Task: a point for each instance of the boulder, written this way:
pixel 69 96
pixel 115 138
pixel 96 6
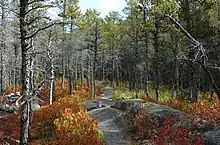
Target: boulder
pixel 212 137
pixel 128 105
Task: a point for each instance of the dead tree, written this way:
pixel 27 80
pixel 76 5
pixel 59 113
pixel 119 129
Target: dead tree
pixel 200 55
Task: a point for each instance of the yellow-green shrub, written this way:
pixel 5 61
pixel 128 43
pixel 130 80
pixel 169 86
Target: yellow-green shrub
pixel 76 129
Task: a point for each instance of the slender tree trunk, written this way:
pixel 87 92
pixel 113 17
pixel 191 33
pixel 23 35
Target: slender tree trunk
pixel 63 60
pixel 69 76
pixel 95 61
pixel 117 76
pixel 177 76
pixel 52 77
pixel 64 73
pixel 2 75
pixel 129 75
pixel 89 71
pixel 113 73
pixel 10 72
pixel 81 70
pixel 93 83
pixel 52 83
pixel 15 68
pixel 146 52
pixel 2 49
pixel 156 37
pixel 76 72
pixel 103 71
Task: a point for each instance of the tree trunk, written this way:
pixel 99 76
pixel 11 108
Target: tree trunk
pixel 76 72
pixel 25 108
pixel 117 76
pixel 146 52
pixel 69 76
pixel 15 68
pixel 63 62
pixel 113 73
pixel 52 84
pixel 82 74
pixel 63 74
pixel 1 74
pixel 177 76
pixel 156 37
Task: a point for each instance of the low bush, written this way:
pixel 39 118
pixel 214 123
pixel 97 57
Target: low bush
pixel 76 128
pixel 146 128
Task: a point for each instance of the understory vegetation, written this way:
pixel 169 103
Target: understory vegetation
pixel 205 113
pixel 65 122
pixel 164 51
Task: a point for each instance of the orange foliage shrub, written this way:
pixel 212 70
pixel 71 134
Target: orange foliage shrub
pixel 76 129
pixel 10 126
pixel 203 108
pixel 53 122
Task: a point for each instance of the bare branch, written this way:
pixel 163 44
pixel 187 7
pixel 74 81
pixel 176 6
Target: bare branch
pixel 39 7
pixel 192 40
pixel 35 19
pixel 34 1
pixel 40 29
pixel 214 67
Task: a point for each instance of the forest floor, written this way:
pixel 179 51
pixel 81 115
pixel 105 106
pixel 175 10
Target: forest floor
pixel 111 121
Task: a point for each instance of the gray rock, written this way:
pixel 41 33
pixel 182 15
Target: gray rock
pixel 161 110
pixel 128 105
pixel 111 123
pixel 212 137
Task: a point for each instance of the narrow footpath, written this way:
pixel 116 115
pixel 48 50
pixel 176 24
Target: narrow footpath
pixel 111 121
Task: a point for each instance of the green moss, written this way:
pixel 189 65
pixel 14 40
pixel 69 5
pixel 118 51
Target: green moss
pixel 101 135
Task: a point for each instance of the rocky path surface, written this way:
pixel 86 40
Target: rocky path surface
pixel 111 121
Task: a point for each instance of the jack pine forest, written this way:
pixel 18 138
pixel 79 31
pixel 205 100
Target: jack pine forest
pixel 129 72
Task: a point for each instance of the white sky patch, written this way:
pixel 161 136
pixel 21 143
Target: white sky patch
pixel 106 6
pixel 103 6
pixel 53 13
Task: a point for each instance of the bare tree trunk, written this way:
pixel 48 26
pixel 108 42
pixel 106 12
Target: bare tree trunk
pixel 52 83
pixel 117 76
pixel 63 62
pixel 218 9
pixel 113 73
pixel 129 72
pixel 81 74
pixel 81 69
pixel 69 76
pixel 146 55
pixel 95 61
pixel 25 108
pixel 156 37
pixel 89 71
pixel 63 74
pixel 103 71
pixel 76 72
pixel 2 75
pixel 2 49
pixel 10 72
pixel 15 68
pixel 177 76
pixel 93 84
pixel 194 91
